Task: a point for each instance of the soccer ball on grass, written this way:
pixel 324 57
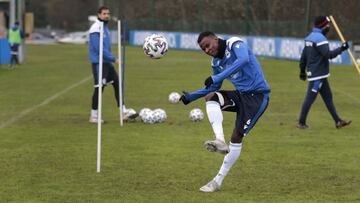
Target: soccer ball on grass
pixel 196 115
pixel 160 115
pixel 149 116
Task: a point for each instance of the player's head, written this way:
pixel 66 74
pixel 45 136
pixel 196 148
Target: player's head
pixel 209 43
pixel 104 13
pixel 323 23
pixel 16 25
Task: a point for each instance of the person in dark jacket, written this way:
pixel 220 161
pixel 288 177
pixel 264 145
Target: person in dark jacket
pixel 314 66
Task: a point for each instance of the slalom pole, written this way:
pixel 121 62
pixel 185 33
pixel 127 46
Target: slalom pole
pixel 100 95
pixel 343 40
pixel 120 74
pixel 123 58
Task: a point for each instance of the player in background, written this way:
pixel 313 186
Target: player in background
pixel 234 61
pixel 15 35
pixel 314 66
pixel 110 75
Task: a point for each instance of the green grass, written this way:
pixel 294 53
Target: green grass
pixel 49 154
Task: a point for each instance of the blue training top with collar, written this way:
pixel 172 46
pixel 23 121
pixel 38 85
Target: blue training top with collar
pixel 238 65
pixel 316 54
pixel 94 44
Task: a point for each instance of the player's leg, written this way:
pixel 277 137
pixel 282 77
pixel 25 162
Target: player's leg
pixel 214 102
pixel 229 160
pixel 114 78
pixel 129 116
pixel 326 95
pixel 95 96
pixel 249 111
pixel 94 105
pixel 13 55
pixel 16 54
pixel 215 116
pixel 312 91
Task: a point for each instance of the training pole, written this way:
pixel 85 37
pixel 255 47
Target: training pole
pixel 123 37
pixel 100 95
pixel 343 40
pixel 120 74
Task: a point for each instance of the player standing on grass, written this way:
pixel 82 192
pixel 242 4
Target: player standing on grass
pixel 314 65
pixel 16 35
pixel 109 73
pixel 234 61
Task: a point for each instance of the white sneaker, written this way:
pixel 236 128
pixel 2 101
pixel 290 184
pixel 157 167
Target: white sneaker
pixel 216 146
pixel 94 120
pixel 212 186
pixel 130 117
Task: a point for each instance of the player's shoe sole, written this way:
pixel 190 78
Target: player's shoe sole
pixel 216 146
pixel 211 186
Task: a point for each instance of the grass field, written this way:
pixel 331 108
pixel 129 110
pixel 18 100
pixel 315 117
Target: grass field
pixel 48 148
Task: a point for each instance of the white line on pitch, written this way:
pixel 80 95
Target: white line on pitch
pixel 45 102
pixel 348 95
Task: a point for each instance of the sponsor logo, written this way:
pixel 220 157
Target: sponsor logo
pixel 227 54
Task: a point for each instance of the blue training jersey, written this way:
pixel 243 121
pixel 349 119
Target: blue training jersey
pixel 94 44
pixel 240 66
pixel 316 54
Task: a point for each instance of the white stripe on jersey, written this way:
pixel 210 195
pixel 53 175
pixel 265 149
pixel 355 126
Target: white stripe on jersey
pixel 319 77
pixel 232 40
pixel 321 43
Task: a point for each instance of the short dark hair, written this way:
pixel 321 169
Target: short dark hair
pixel 205 34
pixel 102 8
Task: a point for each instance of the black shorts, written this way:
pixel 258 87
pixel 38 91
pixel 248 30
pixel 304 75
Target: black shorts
pixel 248 107
pixel 109 74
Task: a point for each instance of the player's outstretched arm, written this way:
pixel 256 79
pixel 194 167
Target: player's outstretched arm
pixel 187 97
pixel 184 99
pixel 330 54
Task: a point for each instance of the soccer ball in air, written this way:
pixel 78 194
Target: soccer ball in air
pixel 196 115
pixel 174 97
pixel 155 46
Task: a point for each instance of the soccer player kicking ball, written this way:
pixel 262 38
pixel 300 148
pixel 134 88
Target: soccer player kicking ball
pixel 232 60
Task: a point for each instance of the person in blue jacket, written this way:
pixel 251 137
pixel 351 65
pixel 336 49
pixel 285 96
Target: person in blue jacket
pixel 314 66
pixel 232 60
pixel 109 74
